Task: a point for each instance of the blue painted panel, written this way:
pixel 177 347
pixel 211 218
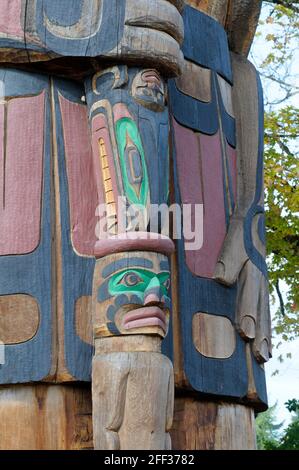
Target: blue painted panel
pixel 17 83
pixel 202 117
pixel 260 381
pixel 222 377
pixel 31 274
pixel 206 43
pixel 63 12
pixel 77 271
pixel 103 40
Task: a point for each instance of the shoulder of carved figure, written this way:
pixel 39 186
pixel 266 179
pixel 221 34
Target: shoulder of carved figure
pixel 239 18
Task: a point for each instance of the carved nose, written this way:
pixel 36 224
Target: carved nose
pixel 153 293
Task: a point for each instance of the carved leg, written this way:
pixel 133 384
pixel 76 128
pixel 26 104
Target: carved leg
pixel 132 401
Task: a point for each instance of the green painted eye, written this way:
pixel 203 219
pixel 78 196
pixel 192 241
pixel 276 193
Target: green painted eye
pixel 131 279
pixel 166 284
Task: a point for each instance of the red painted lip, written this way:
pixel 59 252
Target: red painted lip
pixel 146 316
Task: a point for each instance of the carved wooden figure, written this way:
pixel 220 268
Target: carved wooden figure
pixel 132 382
pixel 109 108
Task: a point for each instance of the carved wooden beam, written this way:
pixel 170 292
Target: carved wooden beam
pixel 132 382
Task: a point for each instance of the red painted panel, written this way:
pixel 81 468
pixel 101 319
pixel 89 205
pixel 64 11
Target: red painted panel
pixel 10 18
pixel 1 154
pixel 21 174
pixel 120 111
pixel 232 157
pixel 200 176
pixel 80 173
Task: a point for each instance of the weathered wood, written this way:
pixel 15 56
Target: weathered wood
pixel 21 162
pixel 132 401
pixel 221 188
pixel 45 158
pixel 247 262
pixel 147 32
pixel 196 82
pixel 123 307
pixel 19 318
pixel 206 42
pixel 49 312
pixel 130 125
pixel 241 24
pixel 213 336
pixel 226 94
pixel 206 425
pixel 83 309
pixel 239 17
pixel 45 417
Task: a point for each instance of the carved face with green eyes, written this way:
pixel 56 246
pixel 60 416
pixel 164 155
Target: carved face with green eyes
pixel 132 294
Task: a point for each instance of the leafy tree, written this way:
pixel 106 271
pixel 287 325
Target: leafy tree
pixel 267 430
pixel 269 435
pixel 279 37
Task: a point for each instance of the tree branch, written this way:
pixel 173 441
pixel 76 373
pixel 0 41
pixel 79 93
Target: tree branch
pixel 285 3
pixel 280 298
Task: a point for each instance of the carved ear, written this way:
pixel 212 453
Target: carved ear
pixel 120 74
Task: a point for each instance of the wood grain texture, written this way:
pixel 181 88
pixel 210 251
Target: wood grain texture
pixel 218 377
pixel 147 301
pixel 226 94
pixel 241 24
pixel 83 315
pixel 148 31
pixel 80 172
pixel 247 262
pixel 19 318
pixel 201 182
pixel 239 17
pixel 215 8
pixel 28 274
pixel 45 417
pixel 196 82
pixel 192 108
pixel 130 124
pixel 11 19
pixel 206 425
pixel 54 275
pixel 213 336
pixel 132 401
pixel 206 42
pixel 22 123
pixel 74 271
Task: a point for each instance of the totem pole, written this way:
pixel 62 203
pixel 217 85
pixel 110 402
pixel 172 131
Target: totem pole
pixel 221 320
pixel 108 109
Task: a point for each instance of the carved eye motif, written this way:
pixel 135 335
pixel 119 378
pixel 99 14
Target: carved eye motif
pixel 131 280
pixel 167 284
pixel 148 89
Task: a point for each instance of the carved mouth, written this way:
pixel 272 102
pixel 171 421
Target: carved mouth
pixel 145 316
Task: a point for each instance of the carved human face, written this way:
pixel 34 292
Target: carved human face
pixel 132 294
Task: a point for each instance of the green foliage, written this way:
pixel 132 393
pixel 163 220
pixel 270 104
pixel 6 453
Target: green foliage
pixel 269 435
pixel 276 54
pixel 267 430
pixel 293 405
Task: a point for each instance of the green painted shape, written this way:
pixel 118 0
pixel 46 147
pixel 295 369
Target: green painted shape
pixel 120 282
pixel 124 127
